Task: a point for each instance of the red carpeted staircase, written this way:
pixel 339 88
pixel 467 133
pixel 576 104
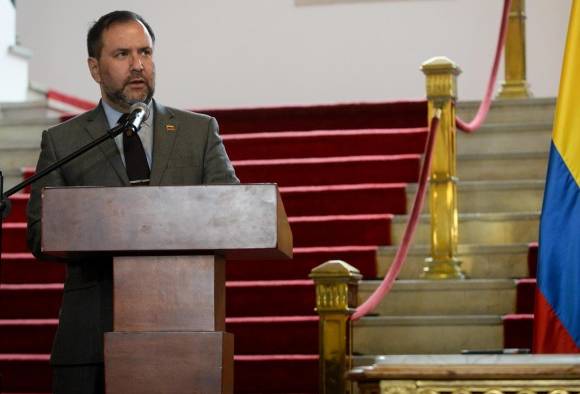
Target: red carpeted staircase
pixel 342 171
pixel 518 327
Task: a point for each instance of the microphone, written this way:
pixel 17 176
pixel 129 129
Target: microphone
pixel 138 113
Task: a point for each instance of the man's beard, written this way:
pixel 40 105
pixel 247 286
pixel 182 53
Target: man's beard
pixel 120 98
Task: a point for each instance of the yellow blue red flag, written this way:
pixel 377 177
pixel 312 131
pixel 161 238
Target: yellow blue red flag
pixel 557 310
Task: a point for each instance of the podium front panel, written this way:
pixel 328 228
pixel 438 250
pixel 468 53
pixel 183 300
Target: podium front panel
pixel 169 293
pixel 169 362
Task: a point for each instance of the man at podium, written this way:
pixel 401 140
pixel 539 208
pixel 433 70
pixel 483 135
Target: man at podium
pixel 173 147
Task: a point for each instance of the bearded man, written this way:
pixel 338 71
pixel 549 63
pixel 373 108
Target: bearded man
pixel 173 147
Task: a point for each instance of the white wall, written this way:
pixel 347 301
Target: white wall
pixel 222 53
pixel 13 68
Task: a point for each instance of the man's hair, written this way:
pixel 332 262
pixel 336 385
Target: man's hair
pixel 95 34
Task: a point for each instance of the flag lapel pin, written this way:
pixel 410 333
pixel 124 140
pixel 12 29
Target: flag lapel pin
pixel 170 128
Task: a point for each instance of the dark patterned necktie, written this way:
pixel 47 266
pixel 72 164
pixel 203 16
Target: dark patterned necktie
pixel 135 159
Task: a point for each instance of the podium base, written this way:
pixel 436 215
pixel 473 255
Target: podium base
pixel 169 362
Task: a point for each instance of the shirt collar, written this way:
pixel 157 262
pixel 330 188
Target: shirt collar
pixel 113 115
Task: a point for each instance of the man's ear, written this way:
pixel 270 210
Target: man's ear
pixel 94 69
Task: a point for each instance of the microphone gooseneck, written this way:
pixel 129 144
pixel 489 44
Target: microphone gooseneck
pixel 138 113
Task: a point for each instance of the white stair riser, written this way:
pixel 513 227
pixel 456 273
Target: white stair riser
pixel 503 140
pixel 497 231
pixel 12 160
pixel 412 301
pixel 512 111
pixel 492 200
pixel 494 168
pixel 425 339
pixel 476 266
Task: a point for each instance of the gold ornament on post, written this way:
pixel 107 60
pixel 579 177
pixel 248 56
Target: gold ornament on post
pixel 441 76
pixel 336 298
pixel 515 84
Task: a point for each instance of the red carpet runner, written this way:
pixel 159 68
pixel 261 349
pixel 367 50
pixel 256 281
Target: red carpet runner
pixel 342 171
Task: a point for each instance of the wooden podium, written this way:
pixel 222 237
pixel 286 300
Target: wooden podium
pixel 169 246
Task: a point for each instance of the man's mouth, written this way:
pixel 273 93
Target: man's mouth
pixel 136 82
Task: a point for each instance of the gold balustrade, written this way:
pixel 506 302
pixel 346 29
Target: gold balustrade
pixel 441 78
pixel 337 282
pixel 336 299
pixel 515 84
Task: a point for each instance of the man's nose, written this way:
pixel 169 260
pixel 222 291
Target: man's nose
pixel 136 62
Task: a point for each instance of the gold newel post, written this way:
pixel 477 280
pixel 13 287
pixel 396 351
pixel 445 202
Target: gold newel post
pixel 515 84
pixel 336 298
pixel 441 76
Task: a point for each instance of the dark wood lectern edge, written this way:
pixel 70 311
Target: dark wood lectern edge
pixel 276 253
pixel 283 232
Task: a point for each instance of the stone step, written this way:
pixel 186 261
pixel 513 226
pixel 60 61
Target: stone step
pixel 493 196
pixel 502 166
pixel 506 138
pixel 23 136
pixel 426 334
pixel 13 159
pixel 511 111
pixel 477 260
pixel 29 112
pixel 11 180
pixel 478 228
pixel 445 297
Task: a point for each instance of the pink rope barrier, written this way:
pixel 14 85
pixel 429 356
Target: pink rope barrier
pixel 486 102
pixel 373 301
pixel 387 283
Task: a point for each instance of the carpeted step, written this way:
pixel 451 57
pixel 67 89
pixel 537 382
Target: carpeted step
pixel 244 298
pixel 14 238
pixel 25 373
pixel 27 335
pixel 294 373
pixel 270 298
pixel 18 211
pixel 262 335
pixel 39 301
pixel 341 199
pixel 20 268
pixel 341 230
pixel 361 257
pixel 532 259
pixel 324 143
pixel 308 200
pixel 274 334
pixel 525 295
pixel 518 331
pixel 397 114
pixel 330 170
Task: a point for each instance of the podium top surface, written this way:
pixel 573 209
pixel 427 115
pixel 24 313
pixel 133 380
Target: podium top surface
pixel 238 221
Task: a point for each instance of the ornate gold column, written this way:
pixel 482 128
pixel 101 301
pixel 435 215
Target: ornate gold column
pixel 336 298
pixel 441 76
pixel 515 84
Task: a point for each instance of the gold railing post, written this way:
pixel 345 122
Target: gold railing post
pixel 336 298
pixel 441 74
pixel 515 84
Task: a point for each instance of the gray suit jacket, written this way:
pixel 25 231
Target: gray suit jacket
pixel 187 150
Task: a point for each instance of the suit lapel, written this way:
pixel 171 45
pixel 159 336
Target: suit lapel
pixel 164 132
pixel 96 126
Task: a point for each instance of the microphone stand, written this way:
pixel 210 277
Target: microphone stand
pixel 5 202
